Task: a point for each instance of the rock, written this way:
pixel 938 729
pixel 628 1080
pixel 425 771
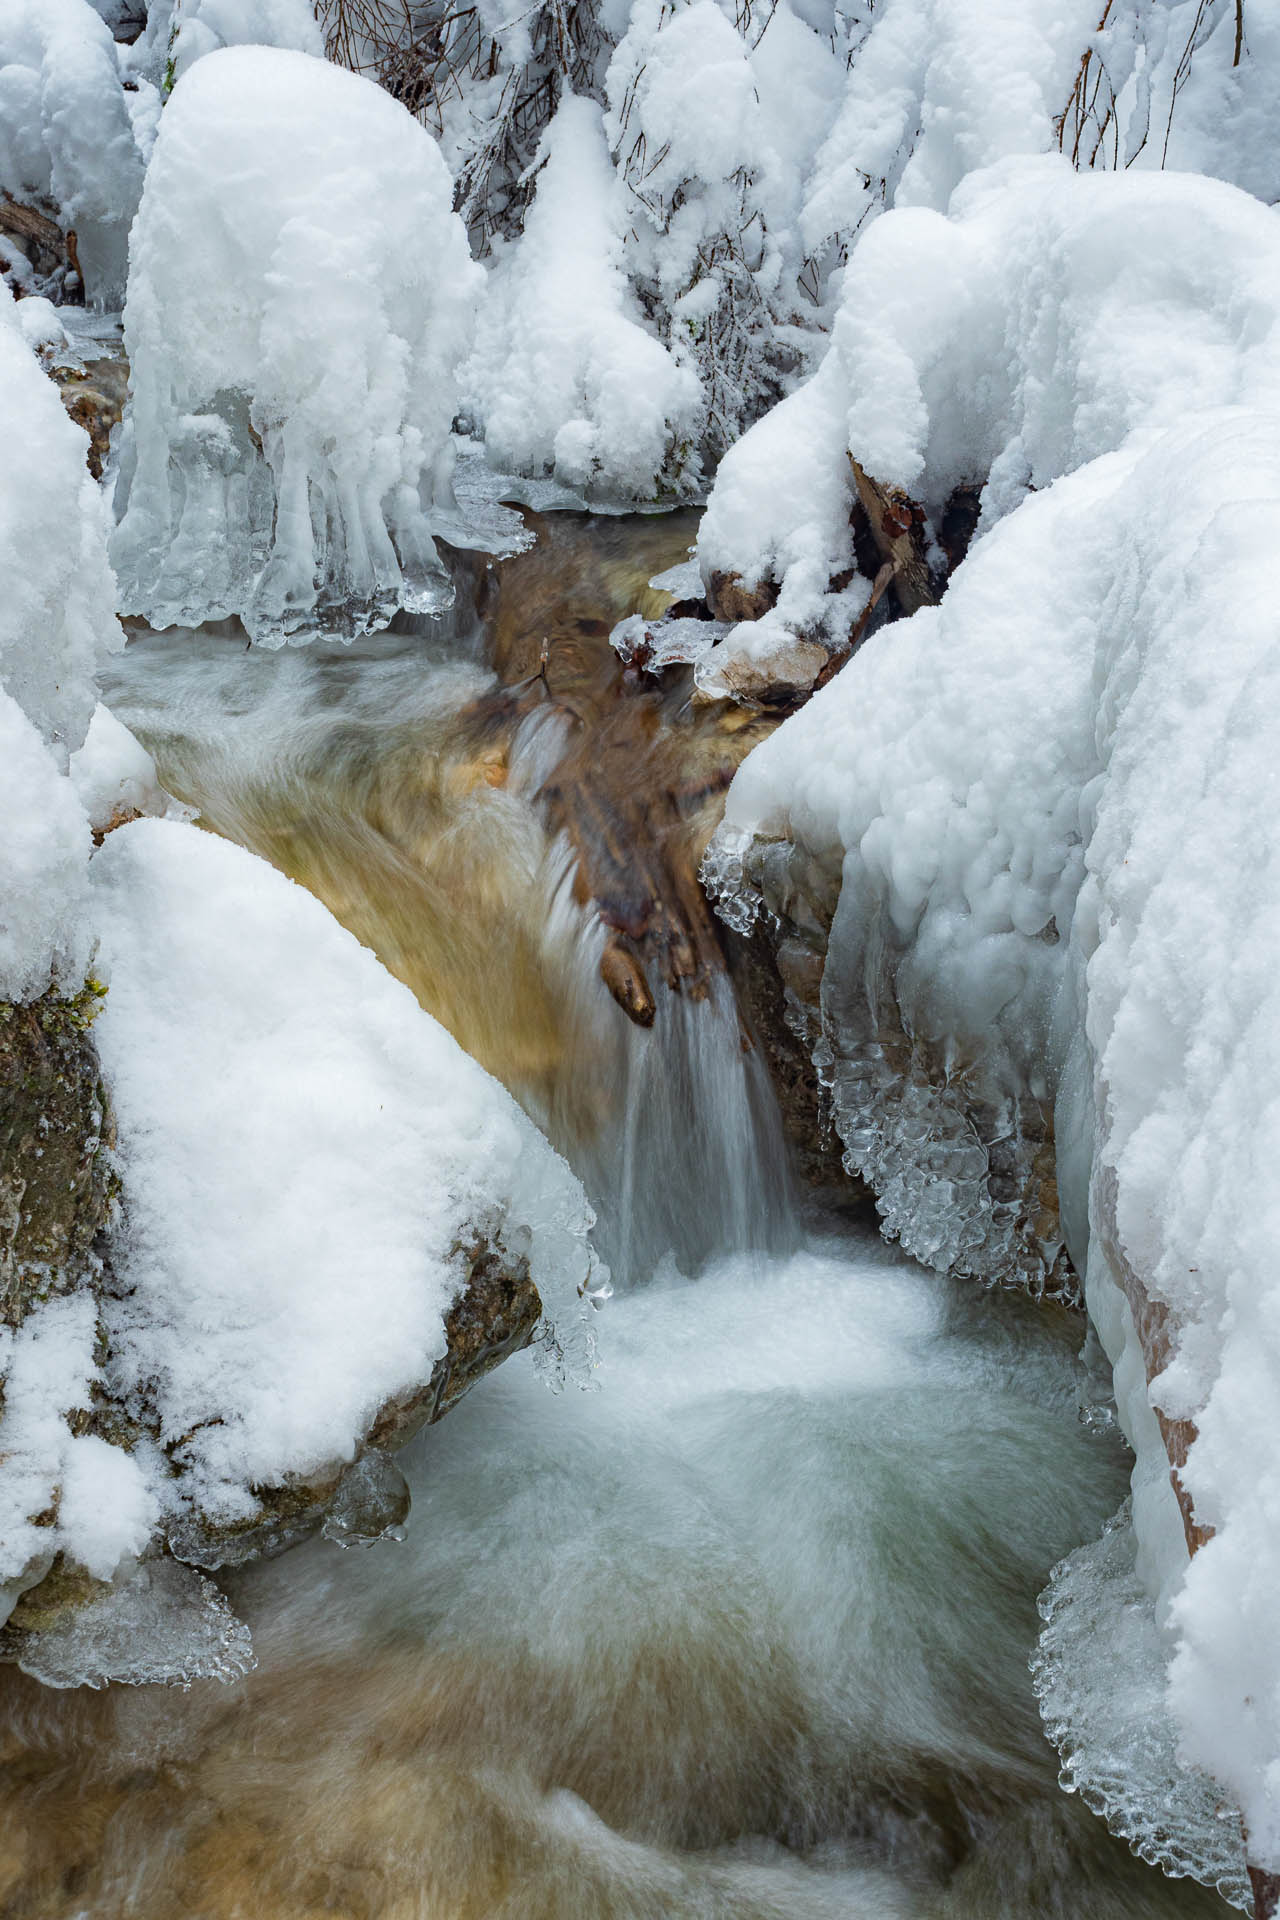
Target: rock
pixel 731 600
pixel 56 1190
pixel 778 991
pixel 769 679
pixel 94 396
pixel 55 1119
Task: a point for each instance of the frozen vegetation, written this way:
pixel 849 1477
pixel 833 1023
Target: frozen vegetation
pixel 802 257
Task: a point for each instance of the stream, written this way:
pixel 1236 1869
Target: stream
pixel 743 1630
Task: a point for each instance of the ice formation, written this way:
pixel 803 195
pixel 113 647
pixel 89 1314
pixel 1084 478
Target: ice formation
pixel 564 379
pixel 163 1622
pixel 1109 1721
pixel 292 369
pixel 66 135
pixel 1027 827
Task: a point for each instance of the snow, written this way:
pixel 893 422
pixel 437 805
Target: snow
pixel 56 613
pixel 293 360
pixel 936 91
pixel 44 849
pixel 564 379
pixel 113 774
pixel 104 1508
pixel 1039 813
pixel 65 131
pixel 302 1150
pixel 202 26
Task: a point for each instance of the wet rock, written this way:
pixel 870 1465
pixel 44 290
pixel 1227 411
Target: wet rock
pixel 771 679
pixel 94 395
pixel 730 599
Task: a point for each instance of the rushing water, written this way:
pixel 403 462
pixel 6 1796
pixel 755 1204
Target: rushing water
pixel 744 1631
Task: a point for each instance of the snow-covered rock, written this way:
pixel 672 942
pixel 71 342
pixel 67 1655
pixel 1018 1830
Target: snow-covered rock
pixel 66 136
pixel 305 1155
pixel 1033 326
pixel 113 774
pixel 1029 831
pixel 293 328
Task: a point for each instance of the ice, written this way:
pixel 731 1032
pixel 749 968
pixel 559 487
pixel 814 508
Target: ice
pixel 564 379
pixel 165 1623
pixel 1109 1722
pixel 658 644
pixel 302 1150
pixel 293 360
pixel 65 131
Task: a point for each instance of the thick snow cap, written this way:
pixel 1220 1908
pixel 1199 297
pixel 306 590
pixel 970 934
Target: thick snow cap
pixel 293 325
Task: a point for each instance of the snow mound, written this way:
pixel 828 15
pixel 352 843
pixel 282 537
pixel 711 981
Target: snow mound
pixel 65 132
pixel 303 1150
pixel 1046 317
pixel 564 380
pixel 293 327
pixel 58 606
pixel 1030 828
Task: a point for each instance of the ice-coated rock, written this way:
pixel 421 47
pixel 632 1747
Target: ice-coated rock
pixel 293 326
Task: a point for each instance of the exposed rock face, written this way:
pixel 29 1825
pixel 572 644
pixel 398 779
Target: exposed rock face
pixel 729 598
pixel 778 987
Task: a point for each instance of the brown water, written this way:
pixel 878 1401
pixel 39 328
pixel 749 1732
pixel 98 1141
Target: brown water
pixel 744 1633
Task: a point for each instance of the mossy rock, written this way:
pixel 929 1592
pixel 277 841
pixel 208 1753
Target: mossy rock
pixel 55 1119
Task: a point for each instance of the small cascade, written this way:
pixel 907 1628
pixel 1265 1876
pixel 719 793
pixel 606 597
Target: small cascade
pixel 744 1634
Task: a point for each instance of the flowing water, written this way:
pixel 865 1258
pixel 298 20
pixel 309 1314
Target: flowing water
pixel 743 1632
